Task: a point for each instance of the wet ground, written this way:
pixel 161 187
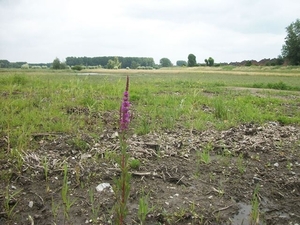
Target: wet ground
pixel 247 174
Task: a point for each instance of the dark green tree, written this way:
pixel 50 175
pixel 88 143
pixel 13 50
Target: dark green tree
pixel 279 60
pixel 192 60
pixel 211 61
pixel 181 63
pixel 291 48
pixel 206 61
pixel 248 63
pixel 56 64
pixel 165 62
pixel 4 64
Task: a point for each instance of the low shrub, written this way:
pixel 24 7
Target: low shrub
pixel 77 67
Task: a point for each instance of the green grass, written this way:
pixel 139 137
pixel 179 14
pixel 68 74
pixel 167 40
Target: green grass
pixel 38 101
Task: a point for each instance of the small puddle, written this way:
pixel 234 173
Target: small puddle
pixel 243 216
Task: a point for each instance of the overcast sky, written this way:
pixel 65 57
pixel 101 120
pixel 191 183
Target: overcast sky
pixel 233 30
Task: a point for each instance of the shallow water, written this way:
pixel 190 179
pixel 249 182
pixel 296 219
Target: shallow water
pixel 243 216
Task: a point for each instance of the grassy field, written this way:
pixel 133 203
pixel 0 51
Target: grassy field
pixel 38 101
pixel 65 107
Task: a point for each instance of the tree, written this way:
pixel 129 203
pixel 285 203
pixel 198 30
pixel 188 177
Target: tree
pixel 181 63
pixel 114 64
pixel 63 66
pixel 206 61
pixel 209 62
pixel 291 48
pixel 56 64
pixel 165 62
pixel 192 60
pixel 4 64
pixel 134 65
pixel 279 60
pixel 248 63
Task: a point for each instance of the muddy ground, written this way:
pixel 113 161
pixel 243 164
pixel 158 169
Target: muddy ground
pixel 182 187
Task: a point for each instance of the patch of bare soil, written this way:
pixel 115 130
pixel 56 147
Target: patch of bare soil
pixel 183 184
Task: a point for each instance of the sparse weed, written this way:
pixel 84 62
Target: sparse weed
pixel 204 155
pixel 79 144
pixel 255 207
pixel 289 166
pixel 67 203
pixel 143 209
pixel 221 112
pixel 241 164
pixel 111 156
pixel 134 163
pixel 10 203
pixel 17 158
pixel 54 209
pixel 94 207
pixel 144 127
pixel 78 175
pixel 46 171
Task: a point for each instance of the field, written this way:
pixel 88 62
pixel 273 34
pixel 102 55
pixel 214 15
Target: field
pixel 206 145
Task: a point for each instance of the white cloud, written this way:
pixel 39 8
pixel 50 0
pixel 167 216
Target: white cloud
pixel 39 31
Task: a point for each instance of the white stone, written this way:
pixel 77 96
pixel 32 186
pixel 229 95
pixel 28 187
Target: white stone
pixel 85 156
pixel 30 204
pixel 103 186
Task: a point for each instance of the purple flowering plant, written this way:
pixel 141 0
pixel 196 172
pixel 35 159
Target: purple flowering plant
pixel 124 110
pixel 122 184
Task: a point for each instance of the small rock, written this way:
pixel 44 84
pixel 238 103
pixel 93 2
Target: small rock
pixel 256 179
pixel 276 164
pixel 114 135
pixel 30 204
pixel 97 145
pixel 85 156
pixel 103 186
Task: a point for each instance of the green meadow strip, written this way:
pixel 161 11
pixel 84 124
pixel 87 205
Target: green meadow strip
pixel 47 101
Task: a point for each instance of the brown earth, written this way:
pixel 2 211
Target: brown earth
pixel 182 188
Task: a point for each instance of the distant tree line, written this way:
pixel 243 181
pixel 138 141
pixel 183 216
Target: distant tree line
pixel 6 64
pixel 264 62
pixel 105 61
